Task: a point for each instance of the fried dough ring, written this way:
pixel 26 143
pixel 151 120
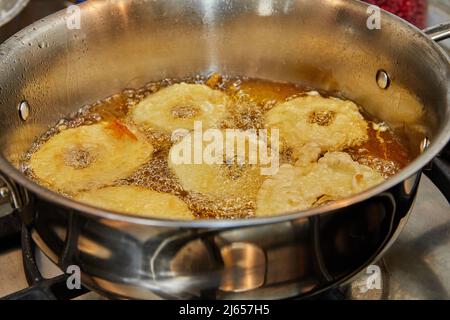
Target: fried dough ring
pixel 221 181
pixel 331 123
pixel 137 201
pixel 333 177
pixel 178 106
pixel 89 157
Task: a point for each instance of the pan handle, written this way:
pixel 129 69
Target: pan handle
pixel 10 201
pixel 438 169
pixel 439 32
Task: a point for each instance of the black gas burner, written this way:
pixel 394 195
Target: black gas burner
pixel 40 287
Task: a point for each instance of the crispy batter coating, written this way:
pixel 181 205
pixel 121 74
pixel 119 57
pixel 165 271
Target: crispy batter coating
pixel 333 177
pixel 331 123
pixel 178 106
pixel 138 201
pixel 225 179
pixel 89 157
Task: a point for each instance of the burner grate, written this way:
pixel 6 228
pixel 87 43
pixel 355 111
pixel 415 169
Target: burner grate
pixel 40 287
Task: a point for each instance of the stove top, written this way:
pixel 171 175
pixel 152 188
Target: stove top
pixel 415 267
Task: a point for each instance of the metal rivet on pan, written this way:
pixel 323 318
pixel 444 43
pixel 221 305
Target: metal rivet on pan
pixel 24 110
pixel 424 144
pixel 383 79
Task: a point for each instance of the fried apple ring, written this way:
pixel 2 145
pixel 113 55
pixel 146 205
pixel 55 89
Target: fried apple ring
pixel 225 179
pixel 137 201
pixel 89 157
pixel 332 123
pixel 334 176
pixel 178 106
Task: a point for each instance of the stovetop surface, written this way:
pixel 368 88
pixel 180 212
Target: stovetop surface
pixel 416 267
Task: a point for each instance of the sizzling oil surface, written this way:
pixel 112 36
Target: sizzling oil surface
pixel 383 151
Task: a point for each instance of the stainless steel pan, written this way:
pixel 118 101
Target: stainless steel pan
pixel 49 70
